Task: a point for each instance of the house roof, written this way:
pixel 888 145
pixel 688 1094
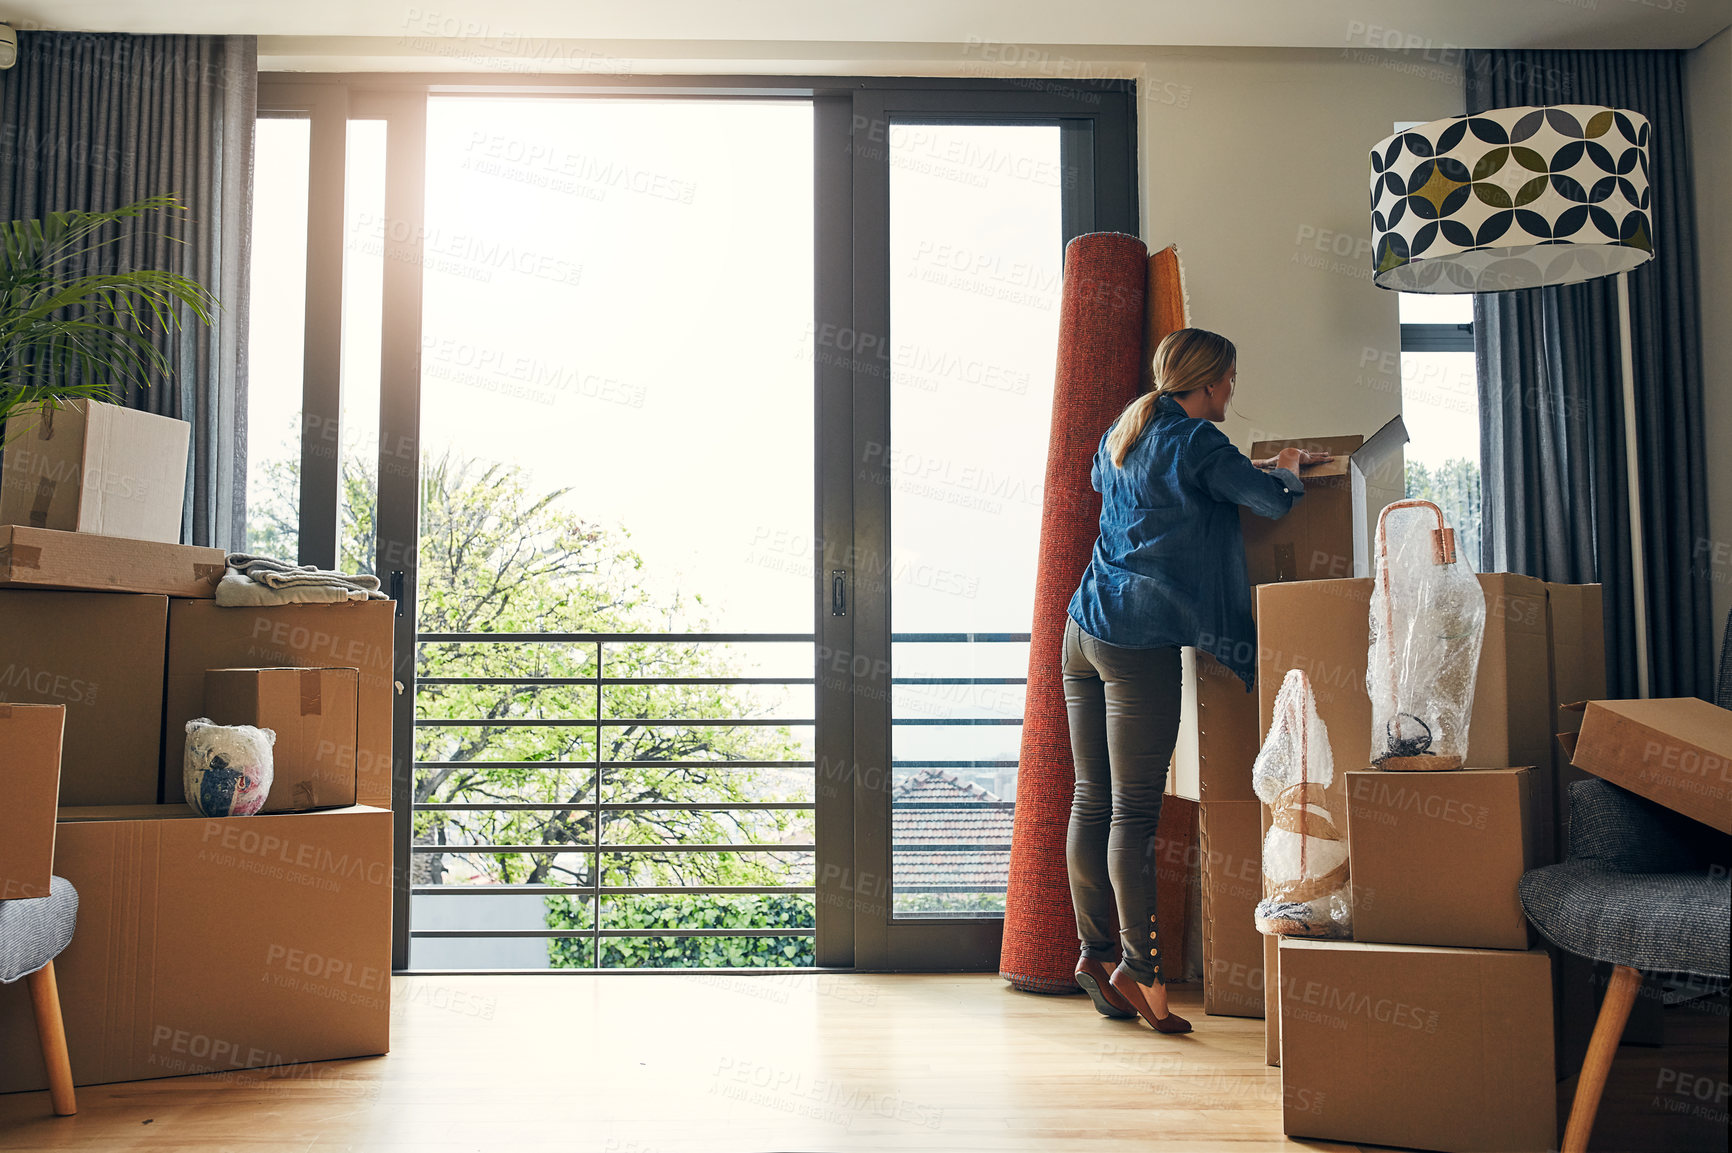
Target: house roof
pixel 935 820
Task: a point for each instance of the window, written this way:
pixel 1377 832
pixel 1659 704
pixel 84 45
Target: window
pixel 1440 401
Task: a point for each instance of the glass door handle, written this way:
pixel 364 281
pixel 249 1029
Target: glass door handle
pixel 838 592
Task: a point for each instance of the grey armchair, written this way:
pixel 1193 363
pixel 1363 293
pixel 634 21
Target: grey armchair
pixel 34 931
pixel 1644 889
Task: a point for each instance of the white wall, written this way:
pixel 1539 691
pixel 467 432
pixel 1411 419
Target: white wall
pixel 1259 171
pixel 1708 80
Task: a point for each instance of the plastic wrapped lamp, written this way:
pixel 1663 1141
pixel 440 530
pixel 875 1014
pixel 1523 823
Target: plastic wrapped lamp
pixel 1514 198
pixel 1305 866
pixel 1427 625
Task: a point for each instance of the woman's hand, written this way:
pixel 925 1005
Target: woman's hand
pixel 1292 459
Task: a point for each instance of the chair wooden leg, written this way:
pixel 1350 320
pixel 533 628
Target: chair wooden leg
pixel 1602 1047
pixel 45 996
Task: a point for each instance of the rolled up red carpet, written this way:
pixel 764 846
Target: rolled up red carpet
pixel 1102 316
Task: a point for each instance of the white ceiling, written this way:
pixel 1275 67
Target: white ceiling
pixel 1438 24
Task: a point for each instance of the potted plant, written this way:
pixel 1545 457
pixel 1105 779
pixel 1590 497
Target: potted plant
pixel 70 333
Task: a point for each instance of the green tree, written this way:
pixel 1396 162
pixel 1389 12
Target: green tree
pixel 496 558
pixel 1453 487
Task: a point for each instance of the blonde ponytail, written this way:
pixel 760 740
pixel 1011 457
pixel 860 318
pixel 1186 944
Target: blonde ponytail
pixel 1187 359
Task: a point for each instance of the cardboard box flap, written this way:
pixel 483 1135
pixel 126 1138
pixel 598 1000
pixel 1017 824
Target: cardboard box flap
pixel 1675 751
pixel 1382 444
pixel 175 812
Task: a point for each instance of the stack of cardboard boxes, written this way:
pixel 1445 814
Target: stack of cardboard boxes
pixel 202 944
pixel 1324 536
pixel 1433 1027
pixel 1440 991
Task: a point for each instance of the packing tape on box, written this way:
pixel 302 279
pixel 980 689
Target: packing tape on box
pixel 311 706
pixel 1289 813
pixel 45 487
pixel 21 556
pixel 209 572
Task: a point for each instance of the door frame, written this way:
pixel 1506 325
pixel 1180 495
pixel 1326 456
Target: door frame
pixel 1097 132
pixel 1097 120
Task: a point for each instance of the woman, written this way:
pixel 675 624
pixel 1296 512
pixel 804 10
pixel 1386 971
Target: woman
pixel 1168 570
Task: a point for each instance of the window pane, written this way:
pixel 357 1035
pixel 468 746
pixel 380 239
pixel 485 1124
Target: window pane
pixel 617 418
pixel 363 300
pixel 1436 308
pixel 1440 404
pixel 277 308
pixel 976 241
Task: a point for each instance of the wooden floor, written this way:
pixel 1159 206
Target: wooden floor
pixel 641 1063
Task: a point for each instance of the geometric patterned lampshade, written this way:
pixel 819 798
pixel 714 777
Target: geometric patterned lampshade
pixel 1511 198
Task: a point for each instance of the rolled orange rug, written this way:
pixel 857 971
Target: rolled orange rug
pixel 1118 302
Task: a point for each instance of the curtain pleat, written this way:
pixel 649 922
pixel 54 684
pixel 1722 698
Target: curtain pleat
pixel 95 121
pixel 1557 499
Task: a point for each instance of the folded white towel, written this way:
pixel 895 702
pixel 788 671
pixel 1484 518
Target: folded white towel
pixel 278 574
pixel 236 590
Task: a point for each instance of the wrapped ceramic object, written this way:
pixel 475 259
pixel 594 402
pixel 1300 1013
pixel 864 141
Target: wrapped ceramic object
pixel 1304 855
pixel 1427 623
pixel 227 771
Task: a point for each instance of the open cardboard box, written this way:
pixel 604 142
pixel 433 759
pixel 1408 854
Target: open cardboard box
pixel 1329 531
pixel 1675 751
pixel 207 944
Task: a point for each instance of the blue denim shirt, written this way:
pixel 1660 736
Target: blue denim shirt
pixel 1169 564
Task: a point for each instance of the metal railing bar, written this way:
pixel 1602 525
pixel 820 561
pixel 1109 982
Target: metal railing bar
pixel 607 890
pixel 617 764
pixel 898 763
pixel 956 720
pixel 767 847
pixel 614 638
pixel 958 680
pixel 556 933
pixel 606 806
pixel 590 680
pixel 959 638
pixel 609 723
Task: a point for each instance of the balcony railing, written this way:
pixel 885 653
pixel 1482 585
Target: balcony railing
pixel 595 809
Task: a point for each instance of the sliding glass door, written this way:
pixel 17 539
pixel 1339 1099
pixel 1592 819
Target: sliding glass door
pixel 710 431
pixel 968 200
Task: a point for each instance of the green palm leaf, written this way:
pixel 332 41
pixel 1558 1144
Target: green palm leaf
pixel 67 333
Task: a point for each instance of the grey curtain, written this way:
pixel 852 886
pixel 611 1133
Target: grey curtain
pixel 92 122
pixel 1557 500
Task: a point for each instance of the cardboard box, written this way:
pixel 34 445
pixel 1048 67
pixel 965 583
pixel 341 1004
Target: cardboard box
pixel 1218 734
pixel 312 712
pixel 1328 532
pixel 1323 627
pixel 1232 886
pixel 30 781
pixel 1675 751
pixel 85 466
pixel 203 635
pixel 1577 625
pixel 1436 857
pixel 47 558
pixel 100 655
pixel 210 944
pixel 1424 1048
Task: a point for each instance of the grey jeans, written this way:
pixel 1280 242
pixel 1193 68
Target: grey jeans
pixel 1123 707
